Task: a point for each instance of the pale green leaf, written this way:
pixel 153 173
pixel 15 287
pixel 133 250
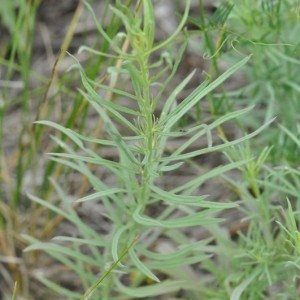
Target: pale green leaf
pixel 189 200
pixel 199 93
pixel 196 219
pixel 174 157
pixel 104 193
pixel 140 266
pixel 165 287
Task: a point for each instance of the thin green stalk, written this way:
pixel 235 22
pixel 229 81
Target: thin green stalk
pixel 93 288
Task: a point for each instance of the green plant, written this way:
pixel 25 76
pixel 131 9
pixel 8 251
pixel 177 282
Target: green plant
pixel 21 166
pixel 17 34
pixel 260 264
pixel 268 31
pixel 263 261
pixel 143 160
pixel 273 75
pixel 146 131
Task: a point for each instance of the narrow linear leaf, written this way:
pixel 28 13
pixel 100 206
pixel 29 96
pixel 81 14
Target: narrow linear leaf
pixel 61 257
pixel 175 263
pixel 142 266
pixel 177 31
pixel 198 218
pixel 237 292
pixel 189 200
pixel 161 288
pixel 204 129
pixel 216 148
pixel 98 195
pixel 291 135
pixel 49 247
pixel 169 168
pixel 58 289
pixel 115 242
pixel 68 132
pixel 80 241
pixel 183 251
pixel 172 98
pixel 199 93
pixel 145 220
pixel 191 185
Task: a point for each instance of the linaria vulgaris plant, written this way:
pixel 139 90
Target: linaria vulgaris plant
pixel 125 261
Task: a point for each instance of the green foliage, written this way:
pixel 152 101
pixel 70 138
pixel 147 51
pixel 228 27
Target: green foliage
pixel 142 164
pixel 258 261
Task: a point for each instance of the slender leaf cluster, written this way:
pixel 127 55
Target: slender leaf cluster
pixel 142 163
